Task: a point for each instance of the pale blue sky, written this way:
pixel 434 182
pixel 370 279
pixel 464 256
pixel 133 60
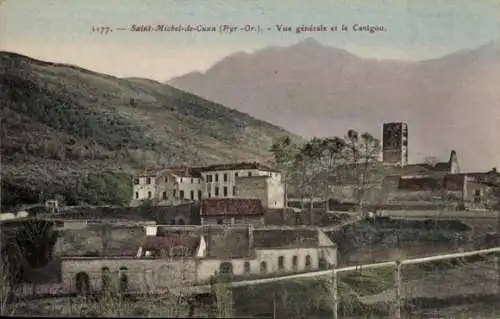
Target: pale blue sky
pixel 60 30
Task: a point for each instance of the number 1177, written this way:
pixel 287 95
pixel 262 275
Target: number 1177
pixel 101 29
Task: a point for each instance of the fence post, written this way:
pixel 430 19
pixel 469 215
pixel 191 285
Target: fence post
pixel 335 295
pixel 397 289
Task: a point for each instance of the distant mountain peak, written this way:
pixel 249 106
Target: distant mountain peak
pixel 310 42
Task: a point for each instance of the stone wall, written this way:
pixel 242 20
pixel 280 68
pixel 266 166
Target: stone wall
pixel 188 212
pixel 252 187
pixel 142 274
pixel 237 220
pixel 100 240
pixel 424 196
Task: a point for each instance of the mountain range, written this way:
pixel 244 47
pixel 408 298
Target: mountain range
pixel 60 123
pixel 452 102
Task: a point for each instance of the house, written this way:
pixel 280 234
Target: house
pixel 231 211
pixel 468 189
pixel 167 186
pixel 193 255
pixel 189 183
pixel 221 180
pixel 152 185
pixel 184 184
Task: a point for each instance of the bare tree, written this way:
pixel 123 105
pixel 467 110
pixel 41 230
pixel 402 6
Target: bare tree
pixel 304 175
pixel 332 151
pixel 362 152
pixel 284 151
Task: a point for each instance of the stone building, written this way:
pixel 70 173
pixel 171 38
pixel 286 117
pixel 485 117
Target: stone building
pixel 191 255
pixel 221 180
pixel 270 190
pixel 187 184
pixel 395 144
pixel 167 186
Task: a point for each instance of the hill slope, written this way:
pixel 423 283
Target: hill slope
pixel 449 103
pixel 61 122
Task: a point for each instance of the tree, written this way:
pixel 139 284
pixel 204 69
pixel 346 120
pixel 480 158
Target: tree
pixel 284 152
pixel 332 150
pixel 361 153
pixel 305 171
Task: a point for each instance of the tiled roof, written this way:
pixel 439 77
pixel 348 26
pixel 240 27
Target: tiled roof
pixel 285 238
pixel 228 242
pixel 231 207
pixel 419 183
pixel 238 166
pixel 151 172
pixel 185 171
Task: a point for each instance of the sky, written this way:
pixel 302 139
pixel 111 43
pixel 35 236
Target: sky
pixel 61 30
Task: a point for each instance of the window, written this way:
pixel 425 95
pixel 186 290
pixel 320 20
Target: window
pixel 166 179
pixel 136 195
pixel 295 263
pixel 281 263
pixel 199 181
pixel 216 191
pixel 209 195
pixel 181 222
pixel 236 174
pixel 298 220
pixel 172 221
pixel 174 192
pixel 216 177
pixel 249 174
pixel 182 179
pixel 148 180
pixel 199 195
pixel 209 178
pixel 226 270
pixel 246 268
pixel 192 180
pixel 263 267
pixel 220 221
pixel 225 177
pixel 136 181
pixel 308 262
pixel 181 194
pixel 225 191
pixel 192 195
pixel 149 194
pixel 164 195
pixel 234 190
pixel 477 196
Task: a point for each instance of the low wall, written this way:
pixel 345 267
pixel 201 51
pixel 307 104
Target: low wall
pixel 142 274
pixel 188 212
pixel 380 254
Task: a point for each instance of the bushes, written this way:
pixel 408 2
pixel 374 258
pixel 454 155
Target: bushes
pixel 111 188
